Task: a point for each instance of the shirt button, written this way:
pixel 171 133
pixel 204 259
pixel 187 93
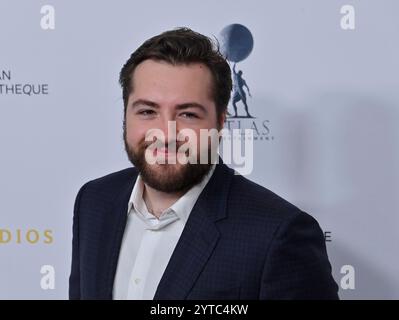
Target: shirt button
pixel 137 281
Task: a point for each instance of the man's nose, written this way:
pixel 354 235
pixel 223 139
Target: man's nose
pixel 168 126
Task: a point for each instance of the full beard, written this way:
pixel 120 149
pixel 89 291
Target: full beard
pixel 169 178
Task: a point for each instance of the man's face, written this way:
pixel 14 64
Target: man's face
pixel 162 93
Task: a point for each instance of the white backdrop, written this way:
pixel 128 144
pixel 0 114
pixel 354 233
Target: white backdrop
pixel 328 96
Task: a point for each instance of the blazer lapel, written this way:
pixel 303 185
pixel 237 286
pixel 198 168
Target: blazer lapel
pixel 112 233
pixel 198 239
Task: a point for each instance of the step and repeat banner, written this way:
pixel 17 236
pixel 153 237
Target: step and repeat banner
pixel 322 87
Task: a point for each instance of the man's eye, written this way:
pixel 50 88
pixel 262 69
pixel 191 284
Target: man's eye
pixel 189 115
pixel 147 112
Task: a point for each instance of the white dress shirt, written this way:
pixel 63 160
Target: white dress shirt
pixel 148 242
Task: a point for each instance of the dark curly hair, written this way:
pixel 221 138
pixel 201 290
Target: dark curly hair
pixel 182 46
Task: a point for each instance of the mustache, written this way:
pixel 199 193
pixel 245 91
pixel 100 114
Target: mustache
pixel 158 144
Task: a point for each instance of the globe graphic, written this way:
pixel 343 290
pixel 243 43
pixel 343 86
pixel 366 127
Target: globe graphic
pixel 236 42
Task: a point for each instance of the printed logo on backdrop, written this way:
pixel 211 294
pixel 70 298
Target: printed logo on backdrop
pixel 9 236
pixel 32 237
pixel 8 86
pixel 236 44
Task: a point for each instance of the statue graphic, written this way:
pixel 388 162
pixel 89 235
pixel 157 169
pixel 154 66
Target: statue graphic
pixel 236 45
pixel 238 92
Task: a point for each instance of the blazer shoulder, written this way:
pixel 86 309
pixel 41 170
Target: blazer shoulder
pixel 258 201
pixel 111 184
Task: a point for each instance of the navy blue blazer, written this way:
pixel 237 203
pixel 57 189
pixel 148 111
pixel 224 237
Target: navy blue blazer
pixel 241 241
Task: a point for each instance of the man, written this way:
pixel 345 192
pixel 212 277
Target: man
pixel 175 230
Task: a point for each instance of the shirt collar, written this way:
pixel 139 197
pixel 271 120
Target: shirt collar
pixel 182 207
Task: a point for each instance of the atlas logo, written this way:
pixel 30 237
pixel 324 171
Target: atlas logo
pixel 236 44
